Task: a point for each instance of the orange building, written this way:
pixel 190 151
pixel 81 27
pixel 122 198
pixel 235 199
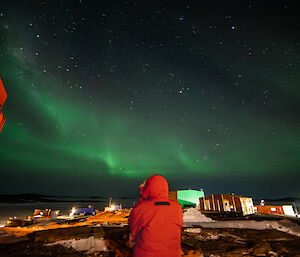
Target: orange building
pixel 3 97
pixel 269 209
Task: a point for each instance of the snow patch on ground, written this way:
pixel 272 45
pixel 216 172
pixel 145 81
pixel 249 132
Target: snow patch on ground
pixel 194 215
pixel 88 245
pixel 285 225
pixel 193 230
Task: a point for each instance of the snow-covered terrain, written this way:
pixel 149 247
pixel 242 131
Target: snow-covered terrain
pixel 282 225
pixel 194 217
pixel 88 245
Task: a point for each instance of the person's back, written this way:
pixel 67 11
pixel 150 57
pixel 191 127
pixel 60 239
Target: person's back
pixel 156 222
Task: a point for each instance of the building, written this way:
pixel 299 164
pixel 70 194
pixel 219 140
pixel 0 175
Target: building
pixel 275 209
pixel 112 207
pixel 227 203
pixel 82 211
pixel 187 197
pixel 42 213
pixel 3 97
pixel 46 213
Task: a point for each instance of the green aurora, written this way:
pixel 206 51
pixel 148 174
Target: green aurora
pixel 106 130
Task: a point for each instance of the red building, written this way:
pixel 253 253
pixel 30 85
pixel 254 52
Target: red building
pixel 46 213
pixel 3 97
pixel 269 209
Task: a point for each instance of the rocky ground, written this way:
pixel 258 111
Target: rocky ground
pixel 242 242
pixel 195 242
pixel 42 240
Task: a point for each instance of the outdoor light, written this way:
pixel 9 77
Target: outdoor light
pixel 73 211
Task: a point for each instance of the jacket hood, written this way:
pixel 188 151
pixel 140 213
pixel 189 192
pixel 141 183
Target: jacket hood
pixel 155 187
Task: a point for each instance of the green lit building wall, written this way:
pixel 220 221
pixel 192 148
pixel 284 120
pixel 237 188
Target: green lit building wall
pixel 189 197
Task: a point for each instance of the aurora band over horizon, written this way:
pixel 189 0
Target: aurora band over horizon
pixel 71 128
pixel 50 132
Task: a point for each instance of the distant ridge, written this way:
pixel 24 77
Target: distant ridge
pixel 32 198
pixel 295 201
pixel 288 199
pixel 284 199
pixel 24 198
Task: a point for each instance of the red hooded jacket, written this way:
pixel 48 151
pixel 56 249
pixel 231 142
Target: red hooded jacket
pixel 156 222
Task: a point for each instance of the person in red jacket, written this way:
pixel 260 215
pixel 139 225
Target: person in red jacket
pixel 156 222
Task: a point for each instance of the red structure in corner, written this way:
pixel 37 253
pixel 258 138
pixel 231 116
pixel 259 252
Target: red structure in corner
pixel 3 97
pixel 269 209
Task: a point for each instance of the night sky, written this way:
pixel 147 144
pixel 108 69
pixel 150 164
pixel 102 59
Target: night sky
pixel 102 94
